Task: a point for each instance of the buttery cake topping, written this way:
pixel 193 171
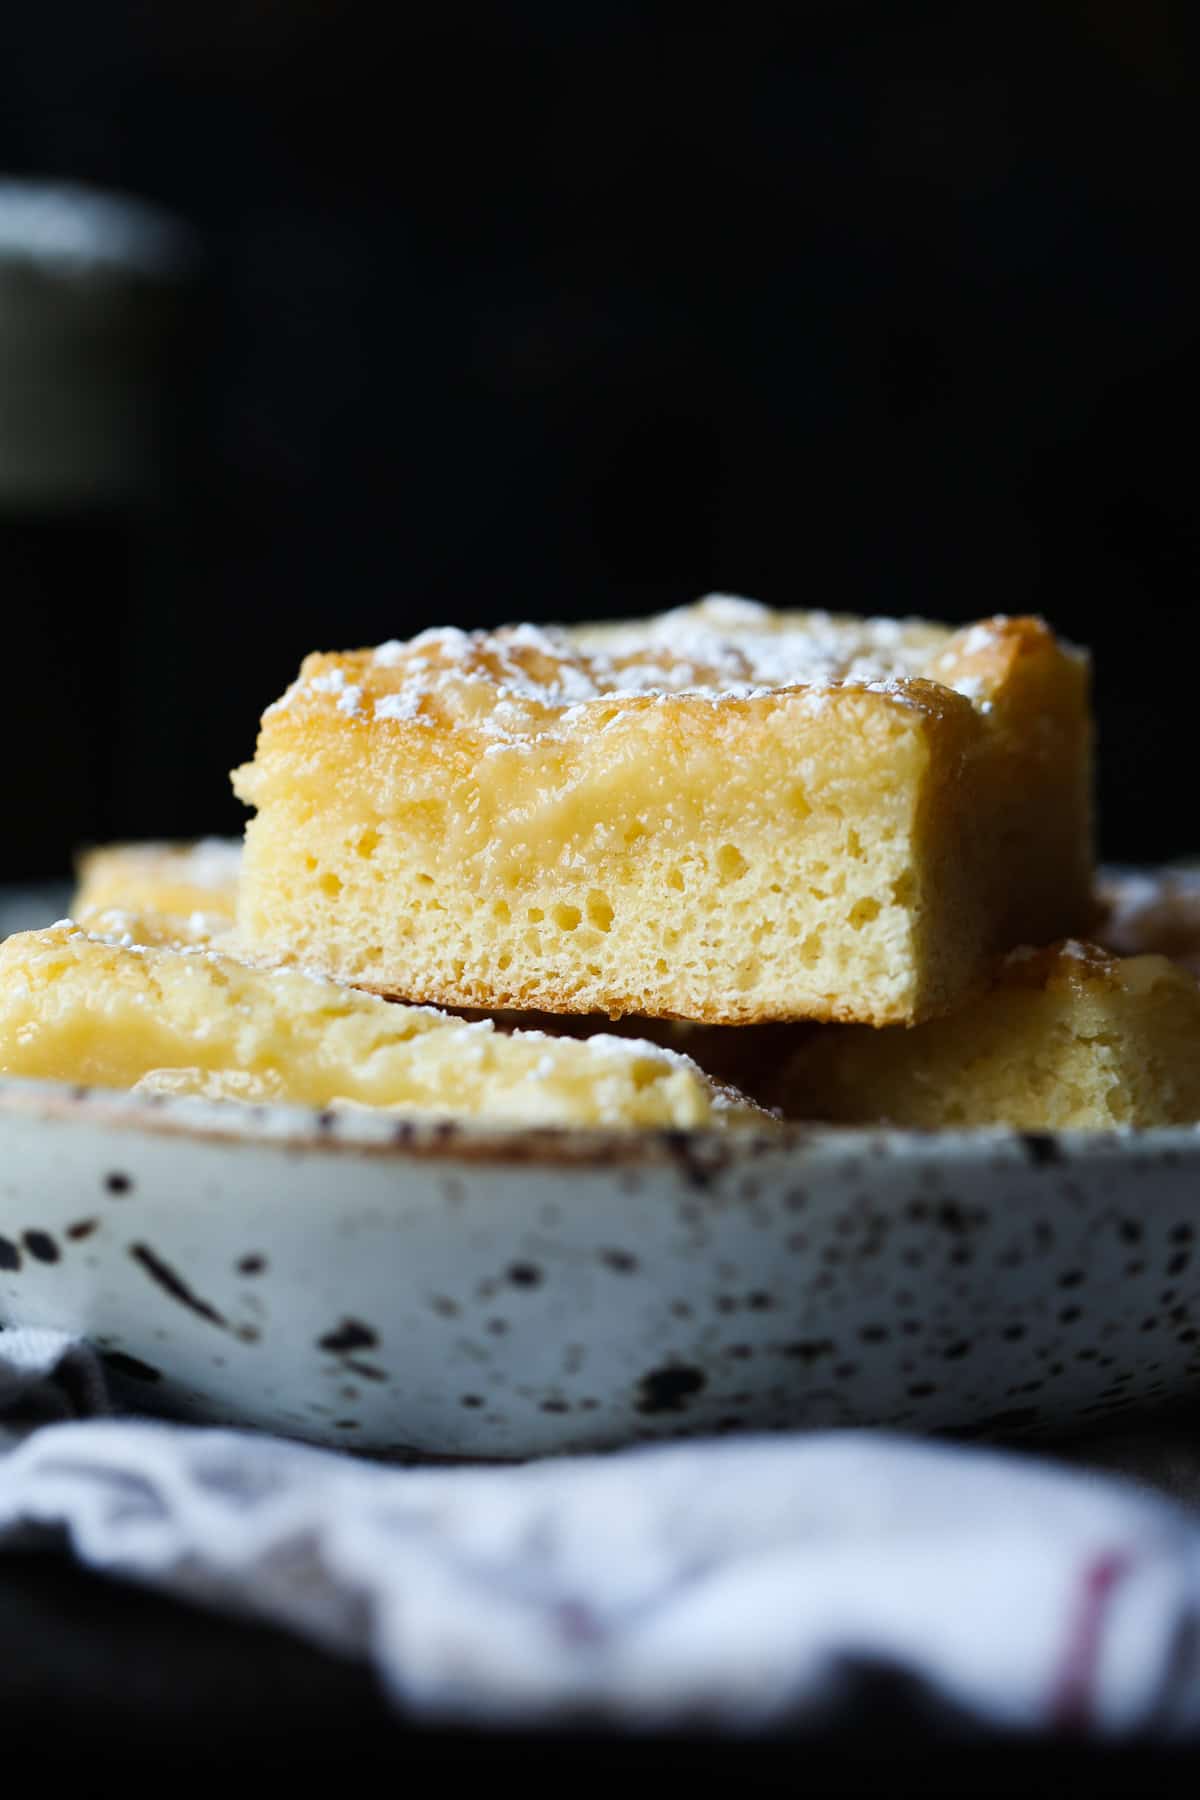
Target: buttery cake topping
pixel 80 1006
pixel 723 648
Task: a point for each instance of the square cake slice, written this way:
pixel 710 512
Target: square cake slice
pixel 159 893
pixel 76 1006
pixel 725 814
pixel 1151 910
pixel 1067 1036
pixel 194 875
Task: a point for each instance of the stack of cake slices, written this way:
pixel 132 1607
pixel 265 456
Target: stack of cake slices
pixel 715 868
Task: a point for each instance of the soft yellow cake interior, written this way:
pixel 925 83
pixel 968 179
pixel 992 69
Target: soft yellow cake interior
pixel 1066 1036
pixel 725 814
pixel 159 893
pixel 81 1008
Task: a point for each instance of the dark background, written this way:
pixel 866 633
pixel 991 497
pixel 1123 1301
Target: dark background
pixel 553 310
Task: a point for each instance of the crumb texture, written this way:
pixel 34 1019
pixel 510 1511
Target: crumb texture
pixel 78 1007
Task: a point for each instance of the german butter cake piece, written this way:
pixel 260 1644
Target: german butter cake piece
pixel 78 1007
pixel 724 814
pixel 1156 910
pixel 1066 1036
pixel 159 893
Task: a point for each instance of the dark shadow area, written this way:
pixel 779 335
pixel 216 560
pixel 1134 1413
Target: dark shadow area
pixel 98 1676
pixel 554 313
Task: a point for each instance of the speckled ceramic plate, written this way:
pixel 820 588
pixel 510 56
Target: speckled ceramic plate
pixel 461 1292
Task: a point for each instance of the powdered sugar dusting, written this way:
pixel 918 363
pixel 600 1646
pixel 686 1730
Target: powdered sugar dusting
pixel 524 682
pixel 405 704
pixel 734 609
pixel 348 694
pixel 725 643
pixel 1152 912
pixel 978 638
pixel 213 862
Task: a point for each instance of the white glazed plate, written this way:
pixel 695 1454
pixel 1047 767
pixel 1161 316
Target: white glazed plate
pixel 460 1292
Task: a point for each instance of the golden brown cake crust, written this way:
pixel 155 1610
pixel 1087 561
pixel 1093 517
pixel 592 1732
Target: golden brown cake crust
pixel 522 681
pixel 722 649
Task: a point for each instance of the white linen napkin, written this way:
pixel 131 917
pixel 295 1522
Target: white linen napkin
pixel 740 1584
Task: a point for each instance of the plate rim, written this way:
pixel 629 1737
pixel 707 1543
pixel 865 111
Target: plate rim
pixel 703 1151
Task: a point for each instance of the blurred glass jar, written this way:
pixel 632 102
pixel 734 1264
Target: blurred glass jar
pixel 96 412
pixel 90 289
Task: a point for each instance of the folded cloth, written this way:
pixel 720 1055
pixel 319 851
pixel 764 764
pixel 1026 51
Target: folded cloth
pixel 740 1584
